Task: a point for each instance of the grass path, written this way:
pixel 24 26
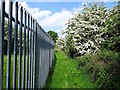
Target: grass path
pixel 66 75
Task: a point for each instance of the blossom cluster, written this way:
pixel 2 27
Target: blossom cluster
pixel 85 30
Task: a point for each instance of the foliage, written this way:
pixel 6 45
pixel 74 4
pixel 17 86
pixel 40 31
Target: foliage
pixel 104 68
pixel 104 65
pixel 12 38
pixel 61 43
pixel 84 31
pixel 6 31
pixel 53 35
pixel 112 30
pixel 6 38
pixel 94 36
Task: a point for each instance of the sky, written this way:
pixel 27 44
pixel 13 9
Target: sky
pixel 54 15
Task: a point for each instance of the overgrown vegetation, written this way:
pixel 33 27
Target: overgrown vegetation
pixel 104 68
pixel 93 38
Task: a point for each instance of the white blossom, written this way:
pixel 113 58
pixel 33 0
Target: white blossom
pixel 84 29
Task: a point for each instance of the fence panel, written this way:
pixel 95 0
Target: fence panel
pixel 20 47
pixel 2 21
pixel 36 49
pixel 9 45
pixel 27 64
pixel 15 45
pixel 24 51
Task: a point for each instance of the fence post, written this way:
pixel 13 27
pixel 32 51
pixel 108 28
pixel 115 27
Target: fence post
pixel 32 62
pixel 0 46
pixel 9 45
pixel 28 60
pixel 2 20
pixel 15 46
pixel 35 35
pixel 30 52
pixel 24 51
pixel 37 59
pixel 20 48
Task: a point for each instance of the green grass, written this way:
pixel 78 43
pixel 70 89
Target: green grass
pixel 64 74
pixel 11 73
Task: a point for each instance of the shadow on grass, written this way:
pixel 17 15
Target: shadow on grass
pixel 51 71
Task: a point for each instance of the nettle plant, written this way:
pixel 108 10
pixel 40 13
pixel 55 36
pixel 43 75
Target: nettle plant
pixel 85 30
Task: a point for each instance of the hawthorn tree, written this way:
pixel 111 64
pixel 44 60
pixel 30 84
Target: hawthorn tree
pixel 84 31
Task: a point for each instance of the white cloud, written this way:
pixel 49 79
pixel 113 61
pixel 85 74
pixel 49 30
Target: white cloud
pixel 59 19
pixel 36 12
pixel 48 20
pixel 56 20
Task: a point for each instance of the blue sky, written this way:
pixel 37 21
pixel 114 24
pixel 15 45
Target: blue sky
pixel 57 6
pixel 54 15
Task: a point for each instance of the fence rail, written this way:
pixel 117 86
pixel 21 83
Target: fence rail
pixel 36 49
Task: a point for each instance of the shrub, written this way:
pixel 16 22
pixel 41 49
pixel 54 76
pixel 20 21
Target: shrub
pixel 103 67
pixel 83 32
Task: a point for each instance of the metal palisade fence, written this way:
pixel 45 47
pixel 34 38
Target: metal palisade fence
pixel 36 49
